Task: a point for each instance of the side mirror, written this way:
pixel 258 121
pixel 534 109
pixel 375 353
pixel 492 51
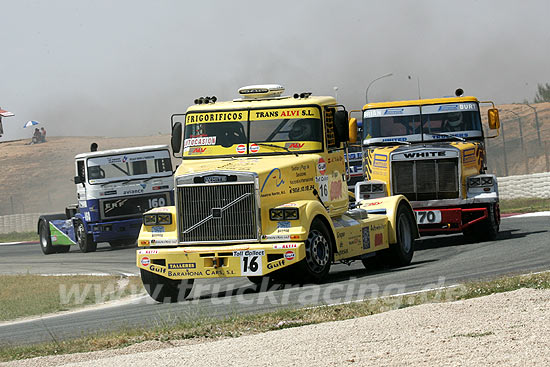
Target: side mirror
pixel 494 121
pixel 176 137
pixel 341 127
pixel 78 180
pixel 352 130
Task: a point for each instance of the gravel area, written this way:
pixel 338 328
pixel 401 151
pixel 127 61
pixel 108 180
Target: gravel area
pixel 503 329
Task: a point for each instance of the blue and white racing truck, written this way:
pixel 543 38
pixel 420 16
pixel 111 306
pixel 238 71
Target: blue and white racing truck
pixel 114 189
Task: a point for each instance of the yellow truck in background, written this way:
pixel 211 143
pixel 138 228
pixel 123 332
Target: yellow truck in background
pixel 432 151
pixel 262 190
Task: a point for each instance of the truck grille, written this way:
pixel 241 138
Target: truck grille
pixel 429 179
pixel 217 212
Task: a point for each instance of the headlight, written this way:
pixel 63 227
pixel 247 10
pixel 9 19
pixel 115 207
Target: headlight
pixel 162 219
pixel 483 181
pixel 150 219
pixel 283 214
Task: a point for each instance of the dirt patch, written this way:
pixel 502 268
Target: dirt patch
pixel 502 329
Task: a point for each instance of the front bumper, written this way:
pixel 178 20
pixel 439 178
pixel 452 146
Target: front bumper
pixel 116 230
pixel 195 262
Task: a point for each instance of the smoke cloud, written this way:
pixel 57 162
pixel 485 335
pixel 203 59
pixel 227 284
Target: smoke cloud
pixel 122 68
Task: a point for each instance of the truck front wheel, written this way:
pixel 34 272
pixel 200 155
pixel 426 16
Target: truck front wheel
pixel 45 239
pixel 401 252
pixel 85 241
pixel 316 264
pixel 488 229
pixel 165 290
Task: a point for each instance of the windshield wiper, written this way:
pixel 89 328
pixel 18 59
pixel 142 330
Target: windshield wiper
pixel 277 146
pixel 448 135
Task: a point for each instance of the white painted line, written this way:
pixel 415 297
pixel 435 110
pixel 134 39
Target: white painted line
pixel 529 215
pixel 19 243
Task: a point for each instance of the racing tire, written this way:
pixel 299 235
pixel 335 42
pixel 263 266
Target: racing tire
pixel 165 290
pixel 85 241
pixel 316 265
pixel 401 253
pixel 45 238
pixel 487 230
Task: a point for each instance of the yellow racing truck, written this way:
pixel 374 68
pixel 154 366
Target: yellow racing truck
pixel 432 151
pixel 262 190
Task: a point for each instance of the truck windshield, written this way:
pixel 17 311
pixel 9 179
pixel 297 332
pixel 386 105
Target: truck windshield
pixel 139 165
pixel 255 131
pixel 421 123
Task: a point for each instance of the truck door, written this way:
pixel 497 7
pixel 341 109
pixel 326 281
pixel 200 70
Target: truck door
pixel 81 187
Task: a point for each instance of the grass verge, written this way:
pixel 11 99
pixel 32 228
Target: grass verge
pixel 234 326
pixel 29 295
pixel 18 236
pixel 524 205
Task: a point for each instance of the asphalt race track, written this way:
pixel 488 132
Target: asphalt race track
pixel 523 246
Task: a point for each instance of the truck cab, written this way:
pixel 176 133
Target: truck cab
pixel 261 191
pixel 114 188
pixel 433 152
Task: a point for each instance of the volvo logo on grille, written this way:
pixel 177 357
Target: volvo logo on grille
pixel 216 212
pixel 215 179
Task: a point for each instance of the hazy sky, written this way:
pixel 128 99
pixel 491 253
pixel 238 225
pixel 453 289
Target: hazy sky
pixel 118 68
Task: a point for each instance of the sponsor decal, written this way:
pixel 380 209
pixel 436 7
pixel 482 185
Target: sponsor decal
pixel 282 246
pixel 276 237
pixel 374 203
pixel 145 252
pixel 283 224
pixel 144 242
pixel 241 149
pixel 378 239
pixel 145 261
pixel 197 150
pixel 184 273
pixel 107 193
pixel 366 238
pixel 157 269
pixel 469 155
pixel 168 241
pixel 425 154
pixel 178 266
pixel 161 187
pixel 380 161
pixel 321 166
pixel 198 141
pixel 276 176
pixel 222 272
pixel 289 255
pixel 335 190
pixel 248 253
pixel 214 117
pixel 276 264
pixel 157 229
pixel 133 191
pixel 295 146
pixel 254 148
pixel 54 238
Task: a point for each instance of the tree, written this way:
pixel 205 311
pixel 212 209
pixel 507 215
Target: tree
pixel 543 94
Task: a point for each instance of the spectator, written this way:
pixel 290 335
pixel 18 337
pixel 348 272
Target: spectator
pixel 36 137
pixel 43 133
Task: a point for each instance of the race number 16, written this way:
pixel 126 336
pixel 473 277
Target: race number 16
pixel 251 265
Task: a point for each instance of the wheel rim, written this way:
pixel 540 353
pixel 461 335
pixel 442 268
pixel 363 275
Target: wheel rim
pixel 405 239
pixel 317 253
pixel 80 233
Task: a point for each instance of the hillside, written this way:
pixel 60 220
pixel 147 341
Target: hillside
pixel 38 178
